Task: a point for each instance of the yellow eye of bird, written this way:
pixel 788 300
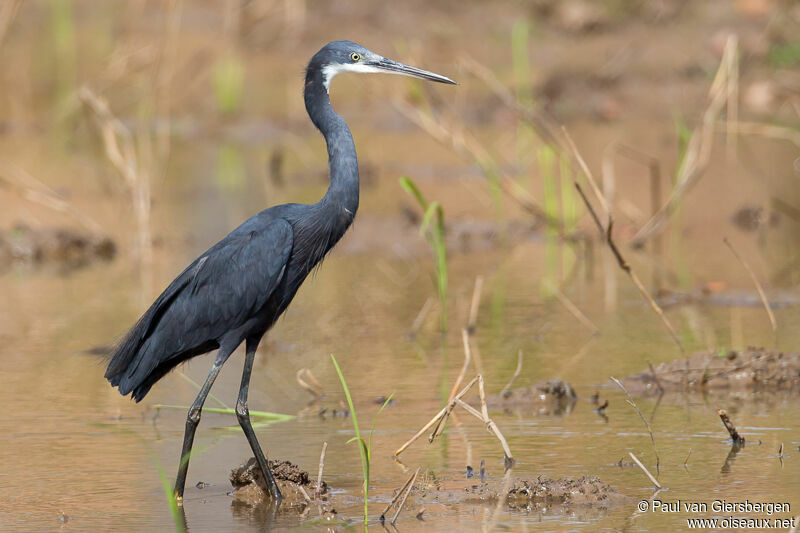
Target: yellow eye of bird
pixel 355 57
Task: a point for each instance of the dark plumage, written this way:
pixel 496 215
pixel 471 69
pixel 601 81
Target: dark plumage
pixel 238 288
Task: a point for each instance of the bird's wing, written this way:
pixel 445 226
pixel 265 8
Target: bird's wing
pixel 218 292
pixel 233 280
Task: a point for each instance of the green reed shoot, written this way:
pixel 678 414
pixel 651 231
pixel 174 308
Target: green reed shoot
pixel 546 157
pixel 520 60
pixel 364 447
pixel 432 227
pixel 228 83
pixel 681 267
pixel 172 500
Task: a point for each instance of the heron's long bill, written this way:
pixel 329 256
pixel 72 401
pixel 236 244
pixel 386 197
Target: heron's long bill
pixel 393 67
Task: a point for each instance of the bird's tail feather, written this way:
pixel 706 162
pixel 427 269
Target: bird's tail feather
pixel 129 364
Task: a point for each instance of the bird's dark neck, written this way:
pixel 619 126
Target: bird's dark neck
pixel 343 189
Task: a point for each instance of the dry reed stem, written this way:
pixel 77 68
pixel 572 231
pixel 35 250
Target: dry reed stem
pixel 655 377
pixel 501 501
pixel 653 166
pixel 437 417
pixel 464 144
pixel 397 496
pixel 588 173
pixel 8 12
pixel 507 389
pixel 738 440
pixel 646 424
pixel 318 488
pixel 483 415
pixel 119 147
pixel 35 191
pixel 405 497
pixel 545 126
pixel 467 443
pixel 491 426
pixel 772 322
pixel 686 461
pixel 732 100
pixel 304 493
pixel 572 308
pixel 652 479
pixel 467 358
pixel 475 304
pixel 420 318
pixel 766 130
pixel 315 389
pixel 606 233
pixel 698 152
pixel 443 421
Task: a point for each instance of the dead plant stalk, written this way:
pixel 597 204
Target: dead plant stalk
pixel 646 424
pixel 439 419
pixel 772 322
pixel 698 152
pixel 119 147
pixel 606 233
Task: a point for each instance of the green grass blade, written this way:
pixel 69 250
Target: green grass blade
pixel 412 189
pixel 171 501
pixel 276 417
pixel 362 448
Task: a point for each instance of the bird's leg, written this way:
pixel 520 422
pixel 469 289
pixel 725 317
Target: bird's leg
pixel 243 414
pixel 192 419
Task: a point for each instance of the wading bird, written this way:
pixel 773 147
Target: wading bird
pixel 237 289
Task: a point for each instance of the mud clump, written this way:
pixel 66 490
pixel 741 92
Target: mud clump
pixel 557 496
pixel 548 397
pixel 250 488
pixel 545 492
pixel 61 246
pixel 752 369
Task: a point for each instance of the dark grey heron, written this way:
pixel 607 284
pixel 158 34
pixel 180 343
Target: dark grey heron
pixel 237 289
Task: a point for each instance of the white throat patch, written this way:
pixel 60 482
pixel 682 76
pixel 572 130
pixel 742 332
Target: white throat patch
pixel 331 71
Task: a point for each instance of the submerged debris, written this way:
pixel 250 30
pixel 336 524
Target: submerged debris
pixel 555 495
pixel 754 368
pixel 548 397
pixel 545 492
pixel 294 483
pixel 63 246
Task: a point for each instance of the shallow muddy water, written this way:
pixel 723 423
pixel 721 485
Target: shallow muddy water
pixel 77 456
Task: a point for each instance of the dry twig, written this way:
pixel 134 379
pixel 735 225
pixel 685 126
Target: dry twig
pixel 572 308
pixel 318 488
pixel 420 318
pixel 315 388
pixel 506 392
pixel 738 440
pixel 759 288
pixel 606 233
pixel 409 482
pixel 647 425
pixel 440 417
pixel 473 308
pixel 698 152
pixel 405 497
pixel 638 462
pixel 119 146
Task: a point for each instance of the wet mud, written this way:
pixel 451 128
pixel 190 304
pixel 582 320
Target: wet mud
pixel 250 488
pixel 755 369
pixel 64 247
pixel 557 496
pixel 551 397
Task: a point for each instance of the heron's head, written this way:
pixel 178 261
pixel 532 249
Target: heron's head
pixel 346 56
